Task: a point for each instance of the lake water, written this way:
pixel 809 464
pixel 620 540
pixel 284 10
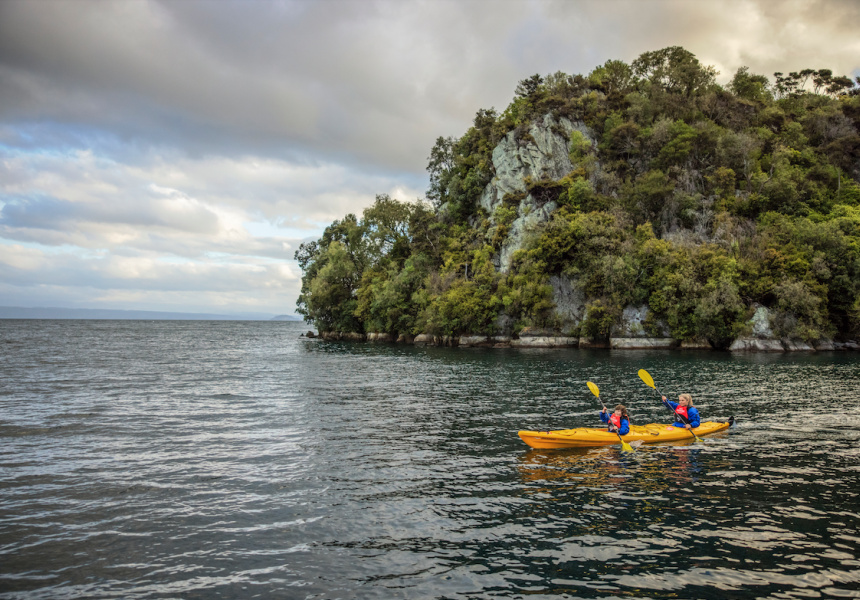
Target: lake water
pixel 239 460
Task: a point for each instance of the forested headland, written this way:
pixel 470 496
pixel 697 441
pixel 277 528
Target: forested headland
pixel 643 189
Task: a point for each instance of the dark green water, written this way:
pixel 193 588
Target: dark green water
pixel 237 460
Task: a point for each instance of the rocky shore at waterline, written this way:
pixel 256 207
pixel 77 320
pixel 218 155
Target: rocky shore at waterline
pixel 558 340
pixel 629 334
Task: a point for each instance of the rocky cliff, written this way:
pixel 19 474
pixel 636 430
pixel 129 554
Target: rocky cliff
pixel 541 153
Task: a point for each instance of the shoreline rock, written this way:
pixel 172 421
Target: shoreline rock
pixel 643 343
pixel 756 345
pixel 544 341
pixel 548 338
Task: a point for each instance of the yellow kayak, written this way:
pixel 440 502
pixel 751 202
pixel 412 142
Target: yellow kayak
pixel 584 437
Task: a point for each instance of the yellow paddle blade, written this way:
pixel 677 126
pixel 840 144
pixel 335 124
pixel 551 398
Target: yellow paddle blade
pixel 626 447
pixel 594 389
pixel 644 376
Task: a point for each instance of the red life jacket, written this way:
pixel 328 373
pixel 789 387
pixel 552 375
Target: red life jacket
pixel 682 410
pixel 616 421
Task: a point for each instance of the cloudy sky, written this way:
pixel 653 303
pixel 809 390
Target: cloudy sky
pixel 172 155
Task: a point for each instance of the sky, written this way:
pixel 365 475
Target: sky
pixel 173 155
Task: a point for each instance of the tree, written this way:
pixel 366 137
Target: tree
pixel 330 298
pixel 675 70
pixel 718 312
pixel 440 168
pixel 839 85
pixel 750 87
pixel 614 77
pixel 386 227
pixel 332 268
pixel 527 88
pixel 821 79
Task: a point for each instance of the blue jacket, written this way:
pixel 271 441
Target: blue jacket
pixel 625 424
pixel 692 415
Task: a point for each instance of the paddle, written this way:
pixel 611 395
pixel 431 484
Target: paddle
pixel 649 381
pixel 596 391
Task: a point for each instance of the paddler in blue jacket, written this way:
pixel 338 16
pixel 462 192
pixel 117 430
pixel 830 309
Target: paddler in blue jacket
pixel 686 415
pixel 618 421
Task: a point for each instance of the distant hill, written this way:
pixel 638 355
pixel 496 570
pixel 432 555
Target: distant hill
pixel 15 312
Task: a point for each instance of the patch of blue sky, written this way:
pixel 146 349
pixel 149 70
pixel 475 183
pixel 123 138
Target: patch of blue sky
pixel 52 139
pixel 168 259
pixel 267 229
pixel 59 250
pixel 225 258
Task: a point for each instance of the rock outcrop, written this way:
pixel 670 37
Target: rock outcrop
pixel 543 154
pixel 763 338
pixel 543 338
pixel 756 345
pixel 569 300
pixel 381 337
pixel 643 343
pixel 540 154
pixel 633 324
pixel 484 341
pixel 348 336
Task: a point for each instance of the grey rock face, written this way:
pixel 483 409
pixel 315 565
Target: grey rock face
pixel 697 344
pixel 756 345
pixel 474 340
pixel 424 339
pixel 569 299
pixel 632 324
pixel 544 154
pixel 796 346
pixel 380 337
pixel 540 341
pixel 761 324
pixel 532 215
pixel 642 343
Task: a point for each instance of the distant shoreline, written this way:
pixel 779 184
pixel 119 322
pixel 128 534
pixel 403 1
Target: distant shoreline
pixel 15 312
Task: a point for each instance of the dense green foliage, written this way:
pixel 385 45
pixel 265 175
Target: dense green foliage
pixel 695 199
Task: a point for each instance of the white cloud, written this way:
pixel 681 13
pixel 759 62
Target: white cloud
pixel 163 154
pixel 167 229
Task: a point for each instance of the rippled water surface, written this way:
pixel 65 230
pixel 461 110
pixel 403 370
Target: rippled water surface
pixel 239 460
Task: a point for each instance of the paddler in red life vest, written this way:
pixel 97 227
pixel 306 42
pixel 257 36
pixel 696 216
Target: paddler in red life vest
pixel 618 421
pixel 686 415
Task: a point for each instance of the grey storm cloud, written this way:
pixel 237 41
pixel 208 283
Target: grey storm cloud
pixel 361 82
pixel 178 148
pixel 340 79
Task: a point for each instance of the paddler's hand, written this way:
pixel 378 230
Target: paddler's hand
pixel 687 426
pixel 664 398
